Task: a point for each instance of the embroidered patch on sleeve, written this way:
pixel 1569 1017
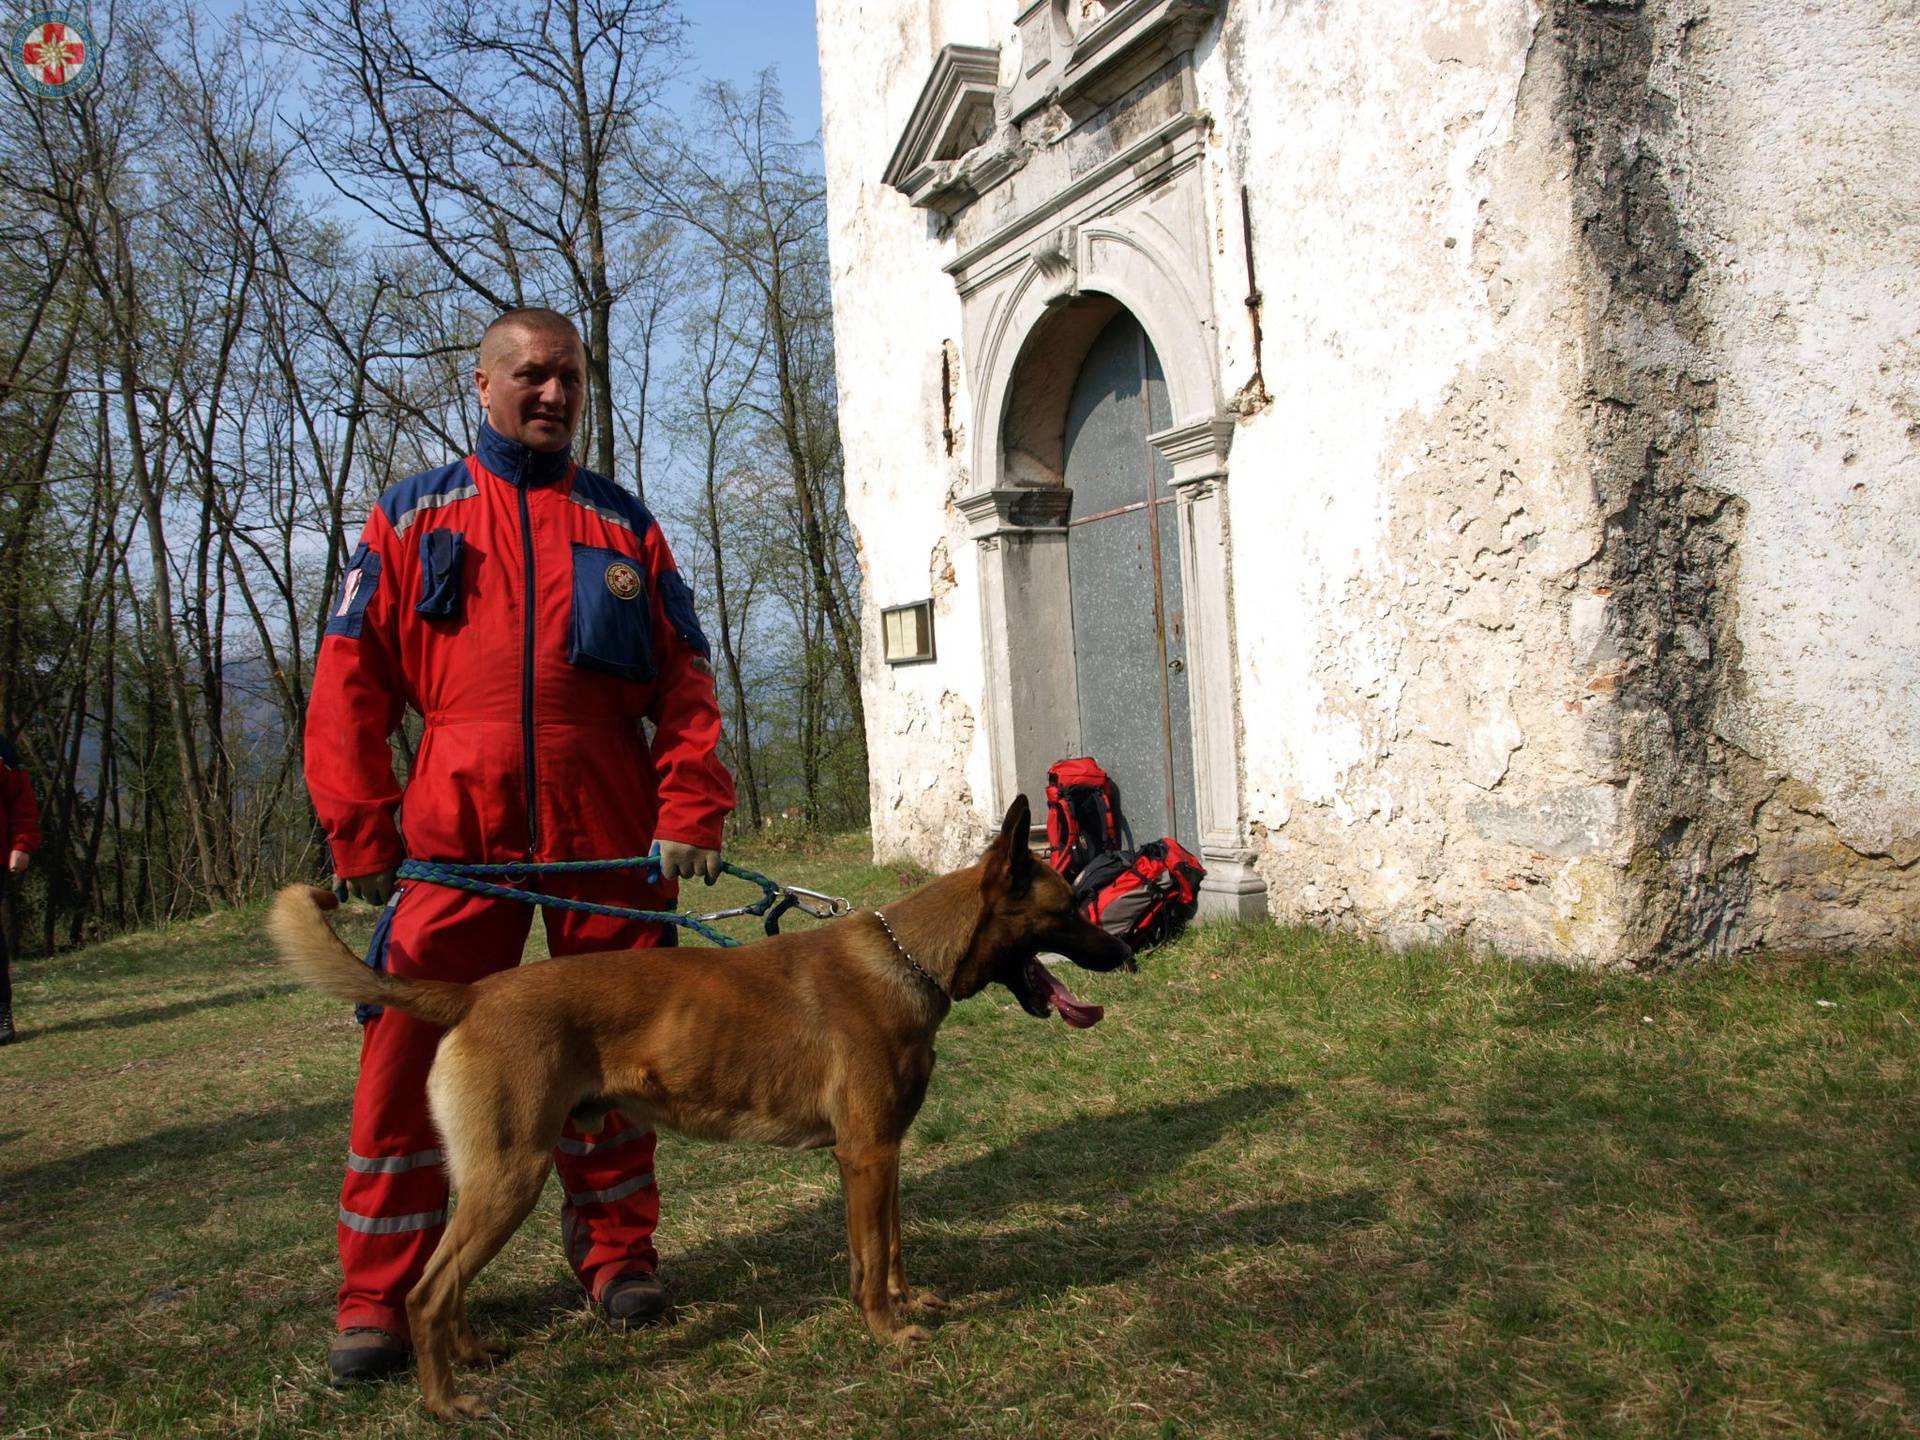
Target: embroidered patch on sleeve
pixel 349 606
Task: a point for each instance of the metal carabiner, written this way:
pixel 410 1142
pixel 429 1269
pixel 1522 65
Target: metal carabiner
pixel 832 907
pixel 781 899
pixel 710 917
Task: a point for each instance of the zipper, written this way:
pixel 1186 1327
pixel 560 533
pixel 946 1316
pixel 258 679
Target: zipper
pixel 526 669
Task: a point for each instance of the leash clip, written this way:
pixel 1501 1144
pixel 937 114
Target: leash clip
pixel 783 898
pixel 829 907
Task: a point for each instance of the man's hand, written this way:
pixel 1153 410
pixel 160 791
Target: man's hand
pixel 17 862
pixel 683 862
pixel 375 889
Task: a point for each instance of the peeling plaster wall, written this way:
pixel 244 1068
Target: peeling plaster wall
pixel 1798 185
pixel 1575 488
pixel 903 403
pixel 1591 450
pixel 1428 749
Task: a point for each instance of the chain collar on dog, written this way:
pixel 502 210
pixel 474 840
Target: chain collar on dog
pixel 912 963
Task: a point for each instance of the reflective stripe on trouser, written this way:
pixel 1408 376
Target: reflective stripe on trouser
pixel 393 1201
pixel 612 1203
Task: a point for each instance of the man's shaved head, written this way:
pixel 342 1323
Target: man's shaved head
pixel 532 377
pixel 529 318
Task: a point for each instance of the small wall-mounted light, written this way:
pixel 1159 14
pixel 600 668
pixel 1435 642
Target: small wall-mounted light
pixel 907 632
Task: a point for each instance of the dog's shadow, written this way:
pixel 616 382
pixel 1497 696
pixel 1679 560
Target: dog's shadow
pixel 1094 1169
pixel 174 1010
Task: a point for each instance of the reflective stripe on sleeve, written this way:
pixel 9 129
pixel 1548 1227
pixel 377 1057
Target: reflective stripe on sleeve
pixel 618 1192
pixel 392 1164
pixel 432 501
pixel 595 1147
pixel 391 1224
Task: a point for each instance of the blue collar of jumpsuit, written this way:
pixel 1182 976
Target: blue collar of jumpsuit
pixel 516 463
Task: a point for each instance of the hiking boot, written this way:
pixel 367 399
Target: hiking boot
pixel 362 1354
pixel 635 1300
pixel 7 1033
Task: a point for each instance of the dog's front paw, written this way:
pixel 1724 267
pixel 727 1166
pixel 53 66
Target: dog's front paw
pixel 919 1302
pixel 888 1330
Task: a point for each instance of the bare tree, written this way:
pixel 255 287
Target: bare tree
pixel 721 367
pixel 660 277
pixel 80 161
pixel 218 362
pixel 759 200
pixel 500 141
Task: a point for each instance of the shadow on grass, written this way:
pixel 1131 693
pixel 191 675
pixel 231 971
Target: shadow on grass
pixel 1612 1242
pixel 153 1014
pixel 176 1159
pixel 1595 1241
pixel 1097 1165
pixel 1589 1238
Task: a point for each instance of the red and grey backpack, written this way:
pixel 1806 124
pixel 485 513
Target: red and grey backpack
pixel 1083 815
pixel 1144 897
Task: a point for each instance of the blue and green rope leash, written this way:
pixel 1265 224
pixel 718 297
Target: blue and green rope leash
pixel 775 899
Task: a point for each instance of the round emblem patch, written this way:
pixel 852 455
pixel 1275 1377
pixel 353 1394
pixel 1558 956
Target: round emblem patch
pixel 54 54
pixel 623 580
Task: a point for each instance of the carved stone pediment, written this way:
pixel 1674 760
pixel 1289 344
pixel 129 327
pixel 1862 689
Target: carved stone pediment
pixel 966 134
pixel 1082 54
pixel 946 154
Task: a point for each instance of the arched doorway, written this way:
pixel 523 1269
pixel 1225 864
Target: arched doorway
pixel 1123 559
pixel 1032 335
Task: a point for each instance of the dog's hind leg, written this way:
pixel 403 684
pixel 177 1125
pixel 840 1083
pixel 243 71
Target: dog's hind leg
pixel 500 1189
pixel 870 1181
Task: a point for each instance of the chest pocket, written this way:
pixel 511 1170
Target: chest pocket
pixel 440 574
pixel 612 628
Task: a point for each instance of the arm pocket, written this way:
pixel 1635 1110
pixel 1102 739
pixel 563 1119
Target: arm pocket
pixel 362 578
pixel 677 600
pixel 612 629
pixel 440 552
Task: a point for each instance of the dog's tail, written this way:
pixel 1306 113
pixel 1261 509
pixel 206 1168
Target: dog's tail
pixel 319 957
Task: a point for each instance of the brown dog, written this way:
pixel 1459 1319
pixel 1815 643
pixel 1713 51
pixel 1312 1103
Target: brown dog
pixel 821 1038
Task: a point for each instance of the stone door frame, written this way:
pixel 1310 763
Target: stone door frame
pixel 1078 182
pixel 1032 706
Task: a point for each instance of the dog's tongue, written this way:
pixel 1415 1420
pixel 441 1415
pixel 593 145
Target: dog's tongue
pixel 1075 1011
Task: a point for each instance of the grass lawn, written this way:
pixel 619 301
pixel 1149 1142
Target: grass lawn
pixel 1293 1185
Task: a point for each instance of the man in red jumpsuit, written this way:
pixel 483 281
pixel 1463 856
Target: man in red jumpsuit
pixel 19 838
pixel 531 612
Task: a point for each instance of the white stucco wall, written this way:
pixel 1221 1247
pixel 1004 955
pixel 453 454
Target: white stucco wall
pixel 1806 208
pixel 1451 715
pixel 1411 508
pixel 896 324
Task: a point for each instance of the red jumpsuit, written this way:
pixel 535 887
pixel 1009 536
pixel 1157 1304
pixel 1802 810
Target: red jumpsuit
pixel 533 748
pixel 19 830
pixel 19 811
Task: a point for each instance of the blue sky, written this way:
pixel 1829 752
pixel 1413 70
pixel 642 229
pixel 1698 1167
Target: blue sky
pixel 734 40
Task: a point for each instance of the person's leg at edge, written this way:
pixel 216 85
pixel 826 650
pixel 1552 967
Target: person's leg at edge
pixel 6 966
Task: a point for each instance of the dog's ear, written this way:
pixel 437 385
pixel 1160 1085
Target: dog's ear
pixel 1009 862
pixel 1018 821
